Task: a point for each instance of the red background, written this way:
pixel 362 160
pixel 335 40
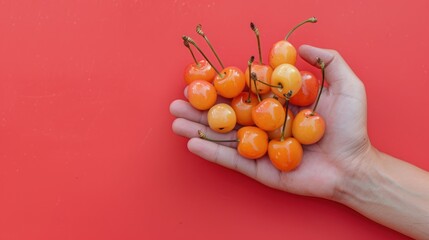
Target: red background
pixel 86 147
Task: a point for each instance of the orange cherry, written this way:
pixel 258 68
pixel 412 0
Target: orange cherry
pixel 199 70
pixel 201 94
pixel 285 78
pixel 272 95
pixel 221 118
pixel 308 92
pixel 252 142
pixel 230 82
pixel 308 126
pixel 269 114
pixel 263 72
pixel 277 133
pixel 285 155
pixel 243 105
pixel 283 51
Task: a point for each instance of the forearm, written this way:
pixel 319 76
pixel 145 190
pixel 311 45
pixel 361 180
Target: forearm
pixel 392 193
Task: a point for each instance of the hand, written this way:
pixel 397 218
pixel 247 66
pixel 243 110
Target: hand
pixel 341 152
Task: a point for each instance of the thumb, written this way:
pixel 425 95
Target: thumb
pixel 337 73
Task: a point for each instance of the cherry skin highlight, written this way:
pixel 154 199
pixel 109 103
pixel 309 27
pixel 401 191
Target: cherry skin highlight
pixel 201 71
pixel 221 118
pixel 201 94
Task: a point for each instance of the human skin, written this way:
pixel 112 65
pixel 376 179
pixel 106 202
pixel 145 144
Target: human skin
pixel 343 166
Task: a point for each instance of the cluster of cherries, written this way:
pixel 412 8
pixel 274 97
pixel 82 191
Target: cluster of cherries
pixel 261 110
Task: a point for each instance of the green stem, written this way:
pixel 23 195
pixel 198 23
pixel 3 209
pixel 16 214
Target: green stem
pixel 282 138
pixel 310 20
pixel 249 65
pixel 256 30
pixel 191 41
pixel 255 78
pixel 274 86
pixel 322 66
pixel 201 33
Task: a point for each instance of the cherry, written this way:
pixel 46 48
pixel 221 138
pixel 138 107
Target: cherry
pixel 285 154
pixel 272 95
pixel 277 133
pixel 199 70
pixel 230 83
pixel 244 103
pixel 201 94
pixel 283 51
pixel 263 72
pixel 243 109
pixel 285 78
pixel 308 92
pixel 221 118
pixel 252 142
pixel 269 114
pixel 308 126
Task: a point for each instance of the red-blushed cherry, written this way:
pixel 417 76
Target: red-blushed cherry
pixel 198 70
pixel 252 142
pixel 283 51
pixel 308 126
pixel 262 71
pixel 221 118
pixel 308 92
pixel 201 94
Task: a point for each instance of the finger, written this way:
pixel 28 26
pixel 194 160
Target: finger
pixel 338 73
pixel 183 109
pixel 261 170
pixel 222 155
pixel 190 129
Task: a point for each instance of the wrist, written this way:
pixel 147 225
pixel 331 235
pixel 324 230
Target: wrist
pixel 356 180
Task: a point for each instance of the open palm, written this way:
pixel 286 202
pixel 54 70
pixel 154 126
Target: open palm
pixel 324 164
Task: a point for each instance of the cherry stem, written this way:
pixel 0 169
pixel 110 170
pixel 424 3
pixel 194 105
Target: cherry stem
pixel 203 136
pixel 191 41
pixel 310 20
pixel 255 78
pixel 288 95
pixel 256 30
pixel 186 43
pixel 249 65
pixel 201 33
pixel 274 86
pixel 322 66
